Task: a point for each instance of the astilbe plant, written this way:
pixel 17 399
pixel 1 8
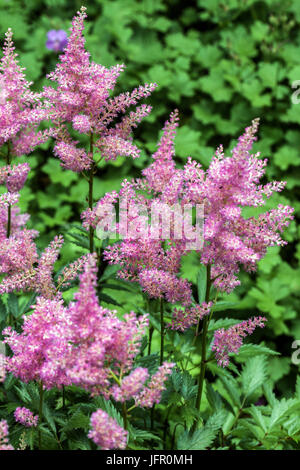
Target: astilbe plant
pixel 230 239
pixel 81 102
pixel 58 345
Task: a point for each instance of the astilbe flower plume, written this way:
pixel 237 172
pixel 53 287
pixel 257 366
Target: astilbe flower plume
pixel 21 110
pixel 101 342
pixel 4 443
pixel 151 394
pixel 34 273
pixel 151 260
pixel 17 248
pixel 83 344
pixel 82 101
pixel 184 318
pixel 230 341
pixel 44 334
pixel 26 417
pixel 106 432
pixel 2 367
pixel 231 241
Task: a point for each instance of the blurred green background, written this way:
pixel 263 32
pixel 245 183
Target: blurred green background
pixel 221 63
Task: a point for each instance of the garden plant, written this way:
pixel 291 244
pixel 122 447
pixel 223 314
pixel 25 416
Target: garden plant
pixel 149 282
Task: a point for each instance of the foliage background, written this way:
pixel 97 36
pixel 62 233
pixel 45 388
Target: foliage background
pixel 221 64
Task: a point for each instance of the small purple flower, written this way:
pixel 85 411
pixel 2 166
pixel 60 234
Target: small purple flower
pixel 57 40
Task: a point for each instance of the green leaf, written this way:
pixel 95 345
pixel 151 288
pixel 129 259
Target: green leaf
pixel 253 374
pixel 13 305
pixel 202 438
pixel 201 284
pixel 258 417
pixel 109 300
pixel 3 311
pixel 250 350
pixel 77 421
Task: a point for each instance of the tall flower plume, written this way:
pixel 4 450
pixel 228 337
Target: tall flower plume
pixel 82 101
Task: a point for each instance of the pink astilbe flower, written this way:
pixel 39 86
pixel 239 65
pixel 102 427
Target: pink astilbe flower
pixel 26 275
pixel 151 394
pixel 82 100
pixel 101 341
pixel 44 281
pixel 160 172
pixel 43 337
pixel 2 367
pixel 18 252
pixel 25 417
pixel 131 385
pixel 230 341
pixel 70 272
pixel 231 241
pixel 4 443
pixel 106 432
pixel 14 177
pixel 83 344
pixel 21 110
pixel 185 318
pixel 160 284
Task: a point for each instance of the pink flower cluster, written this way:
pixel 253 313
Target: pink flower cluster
pixel 152 393
pixel 26 417
pixel 187 317
pixel 2 367
pixel 106 432
pixel 152 261
pixel 230 341
pixel 21 110
pixel 230 239
pixel 81 100
pixel 4 443
pixel 83 344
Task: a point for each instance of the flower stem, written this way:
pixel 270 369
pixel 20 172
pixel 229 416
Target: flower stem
pixel 91 187
pixel 203 346
pixel 151 329
pixel 8 229
pixel 41 413
pixel 125 421
pixel 162 332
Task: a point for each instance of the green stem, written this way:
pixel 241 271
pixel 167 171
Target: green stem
pixel 125 420
pixel 203 347
pixel 41 413
pixel 64 397
pixel 8 229
pixel 151 329
pixel 91 187
pixel 162 332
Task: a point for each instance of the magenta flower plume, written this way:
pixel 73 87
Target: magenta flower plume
pixel 151 394
pixel 185 318
pixel 159 284
pixel 82 101
pixel 231 241
pixel 31 273
pixel 2 367
pixel 230 341
pixel 106 432
pixel 21 110
pixel 131 385
pixel 26 417
pixel 14 177
pixel 4 443
pixel 44 336
pixel 104 344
